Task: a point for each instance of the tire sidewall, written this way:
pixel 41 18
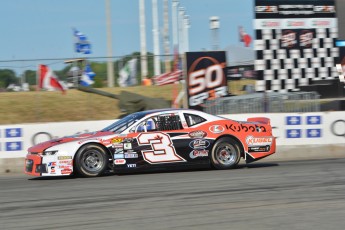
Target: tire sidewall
pixel 78 165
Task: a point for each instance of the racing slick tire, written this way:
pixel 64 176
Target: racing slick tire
pixel 225 153
pixel 90 161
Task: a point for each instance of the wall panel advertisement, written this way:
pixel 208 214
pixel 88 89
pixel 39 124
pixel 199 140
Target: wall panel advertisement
pixel 206 77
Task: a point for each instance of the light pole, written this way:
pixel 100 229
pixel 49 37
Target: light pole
pixel 110 66
pixel 181 29
pixel 155 31
pixel 143 52
pixel 214 26
pixel 186 32
pixel 166 36
pixel 175 26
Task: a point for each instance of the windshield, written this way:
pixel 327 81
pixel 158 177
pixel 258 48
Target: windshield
pixel 122 124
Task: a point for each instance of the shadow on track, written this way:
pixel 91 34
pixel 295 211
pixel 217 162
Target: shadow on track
pixel 157 171
pixel 53 178
pixel 195 169
pixel 257 165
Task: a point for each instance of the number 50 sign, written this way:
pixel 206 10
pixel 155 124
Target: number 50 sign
pixel 206 78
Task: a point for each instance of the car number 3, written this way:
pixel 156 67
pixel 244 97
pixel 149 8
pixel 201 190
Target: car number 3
pixel 162 149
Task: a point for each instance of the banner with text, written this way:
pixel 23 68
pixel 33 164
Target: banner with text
pixel 205 78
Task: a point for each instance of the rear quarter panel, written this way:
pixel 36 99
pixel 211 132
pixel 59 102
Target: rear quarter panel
pixel 255 137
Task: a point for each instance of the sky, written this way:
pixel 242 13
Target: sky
pixel 42 29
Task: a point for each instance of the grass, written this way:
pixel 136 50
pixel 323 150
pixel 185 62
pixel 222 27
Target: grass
pixel 40 106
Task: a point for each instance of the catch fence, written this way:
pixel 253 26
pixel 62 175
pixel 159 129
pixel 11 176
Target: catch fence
pixel 265 103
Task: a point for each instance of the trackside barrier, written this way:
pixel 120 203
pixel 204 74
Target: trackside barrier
pixel 16 139
pixel 291 129
pixel 265 102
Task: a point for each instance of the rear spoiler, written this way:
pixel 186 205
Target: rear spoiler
pixel 262 120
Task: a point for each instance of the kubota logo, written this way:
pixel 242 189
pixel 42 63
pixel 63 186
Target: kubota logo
pixel 217 129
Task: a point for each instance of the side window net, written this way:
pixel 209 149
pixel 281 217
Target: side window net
pixel 165 123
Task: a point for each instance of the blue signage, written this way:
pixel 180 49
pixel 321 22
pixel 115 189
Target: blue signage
pixel 314 133
pixel 314 120
pixel 14 146
pixel 293 133
pixel 293 120
pixel 13 132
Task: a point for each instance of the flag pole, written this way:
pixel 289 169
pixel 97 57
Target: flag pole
pixel 37 74
pixel 37 110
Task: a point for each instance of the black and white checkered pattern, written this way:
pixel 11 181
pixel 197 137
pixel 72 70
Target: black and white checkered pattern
pixel 285 70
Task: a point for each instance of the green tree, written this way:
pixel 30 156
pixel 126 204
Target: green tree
pixel 62 74
pixel 30 77
pixel 121 62
pixel 7 77
pixel 98 82
pixel 100 69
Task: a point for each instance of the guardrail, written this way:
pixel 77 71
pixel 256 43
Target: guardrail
pixel 265 103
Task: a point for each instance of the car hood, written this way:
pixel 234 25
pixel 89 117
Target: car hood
pixel 79 137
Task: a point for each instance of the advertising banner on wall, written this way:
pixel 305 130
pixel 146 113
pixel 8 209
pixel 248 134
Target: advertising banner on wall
pixel 295 9
pixel 294 43
pixel 16 139
pixel 297 38
pixel 206 77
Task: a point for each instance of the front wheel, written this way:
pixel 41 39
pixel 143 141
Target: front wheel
pixel 90 161
pixel 225 153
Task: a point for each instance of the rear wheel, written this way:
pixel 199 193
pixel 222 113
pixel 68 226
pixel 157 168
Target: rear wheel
pixel 225 153
pixel 91 160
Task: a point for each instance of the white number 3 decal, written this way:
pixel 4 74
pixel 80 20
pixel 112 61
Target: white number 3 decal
pixel 162 149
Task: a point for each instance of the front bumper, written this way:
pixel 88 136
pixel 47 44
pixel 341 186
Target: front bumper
pixel 33 165
pixel 39 165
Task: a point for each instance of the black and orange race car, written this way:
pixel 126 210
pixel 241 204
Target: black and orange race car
pixel 162 139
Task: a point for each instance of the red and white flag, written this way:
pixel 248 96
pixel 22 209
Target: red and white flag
pixel 168 78
pixel 173 76
pixel 244 37
pixel 47 79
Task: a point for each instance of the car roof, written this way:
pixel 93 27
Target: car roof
pixel 146 112
pixel 172 110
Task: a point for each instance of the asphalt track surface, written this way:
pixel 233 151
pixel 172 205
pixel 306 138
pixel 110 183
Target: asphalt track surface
pixel 262 195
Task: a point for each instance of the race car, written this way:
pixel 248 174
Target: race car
pixel 155 139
